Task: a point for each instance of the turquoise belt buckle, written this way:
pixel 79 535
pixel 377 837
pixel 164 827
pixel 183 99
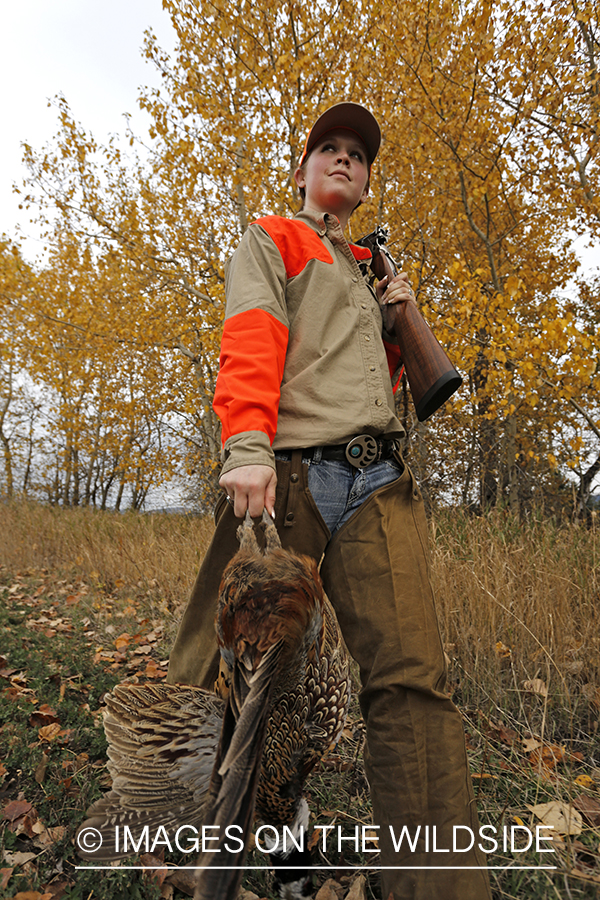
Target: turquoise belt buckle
pixel 361 451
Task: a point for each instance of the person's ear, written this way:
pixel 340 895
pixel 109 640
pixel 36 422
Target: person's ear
pixel 299 178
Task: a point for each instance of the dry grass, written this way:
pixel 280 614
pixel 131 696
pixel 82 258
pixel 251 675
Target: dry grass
pixel 533 587
pixel 156 555
pixel 519 610
pixel 520 602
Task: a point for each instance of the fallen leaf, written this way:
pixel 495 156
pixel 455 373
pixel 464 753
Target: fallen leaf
pixel 314 839
pixel 49 732
pixel 589 807
pixel 47 837
pixel 57 889
pixel 45 715
pixel 123 640
pixel 502 651
pixel 548 755
pixel 562 817
pixel 156 867
pixel 358 889
pixel 371 837
pixel 16 809
pixel 330 890
pixel 6 673
pixel 575 667
pixel 585 781
pixel 502 734
pixel 5 877
pixel 182 880
pixel 536 686
pixel 40 771
pixel 530 744
pixel 152 670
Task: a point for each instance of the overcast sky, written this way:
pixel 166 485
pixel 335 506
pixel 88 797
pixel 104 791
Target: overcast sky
pixel 87 50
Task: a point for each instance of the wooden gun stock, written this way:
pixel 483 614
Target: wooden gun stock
pixel 431 375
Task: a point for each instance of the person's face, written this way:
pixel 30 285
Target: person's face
pixel 336 174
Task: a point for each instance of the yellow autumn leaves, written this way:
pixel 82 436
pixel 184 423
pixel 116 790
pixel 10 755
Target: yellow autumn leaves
pixel 488 164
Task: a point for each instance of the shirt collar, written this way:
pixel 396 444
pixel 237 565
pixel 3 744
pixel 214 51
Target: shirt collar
pixel 318 221
pixel 322 223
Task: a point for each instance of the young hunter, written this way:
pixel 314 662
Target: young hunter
pixel 304 372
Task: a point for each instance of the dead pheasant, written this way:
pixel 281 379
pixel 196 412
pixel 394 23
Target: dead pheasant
pixel 180 755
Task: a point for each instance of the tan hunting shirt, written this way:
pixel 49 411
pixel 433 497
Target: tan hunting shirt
pixel 302 359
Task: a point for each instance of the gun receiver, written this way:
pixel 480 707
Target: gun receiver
pixel 431 375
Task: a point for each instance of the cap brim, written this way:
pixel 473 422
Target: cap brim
pixel 352 116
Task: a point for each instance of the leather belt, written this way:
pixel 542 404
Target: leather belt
pixel 360 452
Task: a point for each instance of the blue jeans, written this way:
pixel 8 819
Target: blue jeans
pixel 339 489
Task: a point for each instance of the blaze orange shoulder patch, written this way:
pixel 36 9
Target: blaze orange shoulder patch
pixel 296 241
pixel 360 252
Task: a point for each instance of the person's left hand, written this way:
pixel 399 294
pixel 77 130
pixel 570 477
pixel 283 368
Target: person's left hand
pixel 398 290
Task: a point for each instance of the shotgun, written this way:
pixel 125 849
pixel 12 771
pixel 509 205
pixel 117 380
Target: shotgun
pixel 431 375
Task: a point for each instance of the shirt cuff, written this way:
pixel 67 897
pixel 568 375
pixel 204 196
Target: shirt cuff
pixel 248 448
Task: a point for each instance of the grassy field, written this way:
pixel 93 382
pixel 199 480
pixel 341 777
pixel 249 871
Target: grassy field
pixel 90 599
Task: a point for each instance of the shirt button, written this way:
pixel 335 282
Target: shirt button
pixel 363 305
pixel 378 402
pixel 372 368
pixel 367 338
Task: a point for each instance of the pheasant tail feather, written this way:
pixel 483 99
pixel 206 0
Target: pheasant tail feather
pixel 235 780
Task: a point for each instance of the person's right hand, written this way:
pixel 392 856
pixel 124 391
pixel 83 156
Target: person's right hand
pixel 251 488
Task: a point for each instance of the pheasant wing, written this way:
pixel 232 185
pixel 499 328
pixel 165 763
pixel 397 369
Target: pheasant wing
pixel 162 744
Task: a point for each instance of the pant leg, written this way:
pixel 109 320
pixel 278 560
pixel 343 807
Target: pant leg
pixel 194 658
pixel 376 574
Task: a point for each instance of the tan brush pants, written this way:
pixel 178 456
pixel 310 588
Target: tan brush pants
pixel 376 574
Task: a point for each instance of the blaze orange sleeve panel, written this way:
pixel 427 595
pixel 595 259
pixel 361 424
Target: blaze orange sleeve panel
pixel 296 242
pixel 251 368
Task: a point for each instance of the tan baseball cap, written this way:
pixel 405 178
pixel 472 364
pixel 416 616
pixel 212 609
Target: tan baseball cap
pixel 352 116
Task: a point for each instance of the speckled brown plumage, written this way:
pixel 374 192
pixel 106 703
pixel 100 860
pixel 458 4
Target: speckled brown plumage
pixel 286 697
pixel 288 692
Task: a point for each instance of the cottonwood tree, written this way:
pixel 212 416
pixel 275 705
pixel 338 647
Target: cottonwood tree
pixel 488 163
